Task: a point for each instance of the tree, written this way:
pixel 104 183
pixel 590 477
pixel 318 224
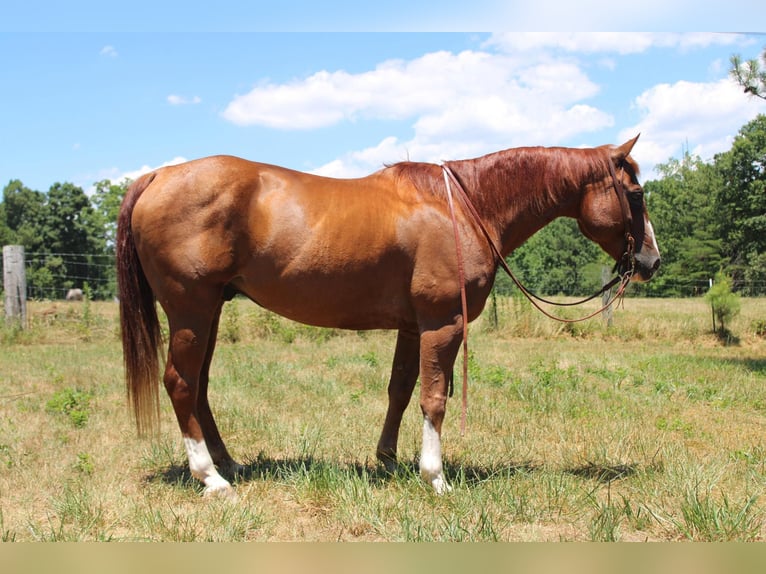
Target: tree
pixel 682 207
pixel 724 303
pixel 750 75
pixel 23 214
pixel 558 259
pixel 69 222
pixel 106 201
pixel 64 237
pixel 76 233
pixel 741 204
pixel 7 235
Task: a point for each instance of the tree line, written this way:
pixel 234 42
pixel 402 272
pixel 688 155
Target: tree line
pixel 68 236
pixel 708 216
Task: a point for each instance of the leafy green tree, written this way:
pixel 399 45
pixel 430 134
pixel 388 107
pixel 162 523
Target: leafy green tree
pixel 69 221
pixel 741 205
pixel 73 236
pixel 106 201
pixel 23 215
pixel 64 236
pixel 7 235
pixel 558 259
pixel 682 208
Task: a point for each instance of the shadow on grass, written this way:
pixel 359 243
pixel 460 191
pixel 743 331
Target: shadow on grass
pixel 755 365
pixel 604 473
pixel 264 468
pixel 284 469
pixel 727 338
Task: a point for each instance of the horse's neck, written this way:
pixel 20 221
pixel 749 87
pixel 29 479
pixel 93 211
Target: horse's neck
pixel 518 191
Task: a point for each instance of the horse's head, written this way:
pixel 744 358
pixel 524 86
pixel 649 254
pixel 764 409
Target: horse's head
pixel 613 214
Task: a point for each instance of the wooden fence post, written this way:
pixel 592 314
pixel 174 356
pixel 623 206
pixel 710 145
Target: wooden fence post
pixel 15 284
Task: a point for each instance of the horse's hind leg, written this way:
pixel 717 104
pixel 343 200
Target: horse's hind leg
pixel 191 329
pixel 215 445
pixel 404 374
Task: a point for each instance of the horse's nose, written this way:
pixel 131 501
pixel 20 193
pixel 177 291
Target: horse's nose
pixel 646 267
pixel 653 268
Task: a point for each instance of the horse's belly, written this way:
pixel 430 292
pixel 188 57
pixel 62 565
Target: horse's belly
pixel 336 301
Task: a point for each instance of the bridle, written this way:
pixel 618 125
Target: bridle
pixel 627 262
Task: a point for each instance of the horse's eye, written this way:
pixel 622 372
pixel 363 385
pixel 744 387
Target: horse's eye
pixel 636 195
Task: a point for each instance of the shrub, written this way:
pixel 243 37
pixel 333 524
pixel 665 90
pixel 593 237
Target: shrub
pixel 724 303
pixel 73 403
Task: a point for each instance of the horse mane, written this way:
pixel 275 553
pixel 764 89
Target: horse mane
pixel 537 177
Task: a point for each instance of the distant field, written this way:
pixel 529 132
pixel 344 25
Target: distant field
pixel 652 429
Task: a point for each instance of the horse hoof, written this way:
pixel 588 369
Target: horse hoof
pixel 221 490
pixel 221 493
pixel 440 485
pixel 389 463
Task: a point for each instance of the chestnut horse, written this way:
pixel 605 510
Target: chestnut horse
pixel 376 252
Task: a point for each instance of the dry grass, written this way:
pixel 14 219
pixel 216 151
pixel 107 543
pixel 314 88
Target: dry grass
pixel 652 429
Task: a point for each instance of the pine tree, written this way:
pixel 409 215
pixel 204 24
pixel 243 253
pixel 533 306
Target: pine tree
pixel 750 74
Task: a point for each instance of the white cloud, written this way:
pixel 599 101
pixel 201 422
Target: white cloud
pixel 419 88
pixel 116 175
pixel 136 173
pixel 527 89
pixel 460 105
pixel 176 100
pixel 703 116
pixel 395 89
pixel 357 163
pixel 109 52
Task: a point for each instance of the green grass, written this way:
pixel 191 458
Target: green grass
pixel 650 430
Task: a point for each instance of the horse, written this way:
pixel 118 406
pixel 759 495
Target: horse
pixel 376 252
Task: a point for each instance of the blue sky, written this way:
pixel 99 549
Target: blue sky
pixel 90 99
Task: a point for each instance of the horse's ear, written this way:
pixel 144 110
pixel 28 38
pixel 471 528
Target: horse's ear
pixel 621 152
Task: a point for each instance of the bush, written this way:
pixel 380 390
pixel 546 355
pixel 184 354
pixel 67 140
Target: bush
pixel 73 403
pixel 724 303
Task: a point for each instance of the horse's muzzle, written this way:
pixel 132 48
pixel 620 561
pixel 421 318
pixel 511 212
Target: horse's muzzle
pixel 645 267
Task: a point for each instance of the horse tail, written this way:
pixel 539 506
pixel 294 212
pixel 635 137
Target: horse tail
pixel 139 325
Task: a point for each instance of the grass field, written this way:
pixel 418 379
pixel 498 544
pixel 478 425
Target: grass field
pixel 651 429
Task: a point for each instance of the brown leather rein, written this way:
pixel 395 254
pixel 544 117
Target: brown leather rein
pixel 623 279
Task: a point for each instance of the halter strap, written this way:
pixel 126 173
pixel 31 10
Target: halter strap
pixel 627 217
pixel 463 300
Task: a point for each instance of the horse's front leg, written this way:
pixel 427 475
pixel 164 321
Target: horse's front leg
pixel 404 374
pixel 438 349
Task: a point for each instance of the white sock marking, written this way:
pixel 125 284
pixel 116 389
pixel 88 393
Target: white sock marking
pixel 202 467
pixel 431 469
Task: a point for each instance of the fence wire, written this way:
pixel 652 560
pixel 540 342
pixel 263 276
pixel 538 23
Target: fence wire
pixel 50 275
pixel 97 273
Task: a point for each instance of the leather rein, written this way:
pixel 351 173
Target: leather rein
pixel 628 258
